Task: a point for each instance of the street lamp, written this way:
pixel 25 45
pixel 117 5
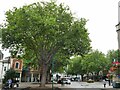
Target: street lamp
pixel 2 73
pixel 52 74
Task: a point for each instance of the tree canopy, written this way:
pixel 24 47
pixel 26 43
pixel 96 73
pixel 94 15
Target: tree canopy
pixel 93 62
pixel 46 29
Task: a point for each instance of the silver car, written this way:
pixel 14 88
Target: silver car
pixel 66 81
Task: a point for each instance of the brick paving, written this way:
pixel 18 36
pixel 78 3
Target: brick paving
pixel 34 85
pixel 73 86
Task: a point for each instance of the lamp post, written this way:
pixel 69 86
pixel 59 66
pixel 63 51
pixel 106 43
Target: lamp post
pixel 52 74
pixel 2 74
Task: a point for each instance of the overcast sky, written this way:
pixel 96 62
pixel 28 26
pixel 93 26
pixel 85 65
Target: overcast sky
pixel 102 16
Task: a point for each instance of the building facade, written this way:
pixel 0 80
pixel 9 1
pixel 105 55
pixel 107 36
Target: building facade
pixel 7 63
pixel 118 26
pixel 28 74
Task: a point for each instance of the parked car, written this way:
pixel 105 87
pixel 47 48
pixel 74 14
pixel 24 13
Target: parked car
pixel 53 81
pixel 90 81
pixel 77 79
pixel 66 80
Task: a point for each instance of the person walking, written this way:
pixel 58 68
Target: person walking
pixel 10 83
pixel 104 83
pixel 109 81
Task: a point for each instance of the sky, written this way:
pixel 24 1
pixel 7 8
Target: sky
pixel 102 16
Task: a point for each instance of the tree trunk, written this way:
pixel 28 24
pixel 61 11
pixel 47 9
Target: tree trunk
pixel 82 77
pixel 44 75
pixel 48 76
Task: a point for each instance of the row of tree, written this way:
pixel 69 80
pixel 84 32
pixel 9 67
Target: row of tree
pixel 94 62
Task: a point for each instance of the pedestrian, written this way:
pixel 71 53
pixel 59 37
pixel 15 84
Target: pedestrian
pixel 104 83
pixel 38 80
pixel 62 83
pixel 10 83
pixel 109 81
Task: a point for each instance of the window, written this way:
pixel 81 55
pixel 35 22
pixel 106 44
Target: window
pixel 17 65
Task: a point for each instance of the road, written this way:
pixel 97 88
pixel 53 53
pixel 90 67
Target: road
pixel 73 86
pixel 86 85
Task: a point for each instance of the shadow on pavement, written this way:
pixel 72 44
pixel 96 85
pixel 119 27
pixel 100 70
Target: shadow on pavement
pixel 29 88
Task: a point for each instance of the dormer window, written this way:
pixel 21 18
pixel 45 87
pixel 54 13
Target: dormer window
pixel 17 65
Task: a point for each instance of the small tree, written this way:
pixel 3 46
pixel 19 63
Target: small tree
pixel 11 73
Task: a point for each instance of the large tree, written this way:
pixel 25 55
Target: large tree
pixel 96 61
pixel 46 29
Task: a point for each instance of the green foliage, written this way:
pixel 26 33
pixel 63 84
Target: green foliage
pixel 46 30
pixel 29 59
pixel 10 74
pixel 95 61
pixel 1 55
pixel 75 66
pixel 0 36
pixel 118 54
pixel 113 55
